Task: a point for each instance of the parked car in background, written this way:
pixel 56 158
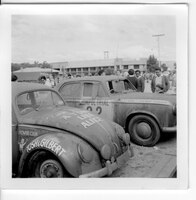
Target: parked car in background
pixel 50 139
pixel 144 115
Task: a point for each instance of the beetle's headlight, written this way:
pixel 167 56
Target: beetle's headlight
pixel 106 152
pixel 174 109
pixel 85 153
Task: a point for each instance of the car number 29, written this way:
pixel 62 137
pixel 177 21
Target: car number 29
pixel 97 109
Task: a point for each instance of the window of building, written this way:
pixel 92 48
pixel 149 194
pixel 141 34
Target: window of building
pixel 85 69
pixel 125 66
pixel 93 68
pixel 136 66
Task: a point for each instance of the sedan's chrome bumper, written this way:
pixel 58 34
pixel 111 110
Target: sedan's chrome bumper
pixel 169 129
pixel 110 167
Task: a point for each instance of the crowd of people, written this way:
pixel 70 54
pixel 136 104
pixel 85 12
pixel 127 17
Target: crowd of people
pixel 159 82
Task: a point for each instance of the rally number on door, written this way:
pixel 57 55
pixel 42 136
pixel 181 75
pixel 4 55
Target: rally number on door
pixel 98 109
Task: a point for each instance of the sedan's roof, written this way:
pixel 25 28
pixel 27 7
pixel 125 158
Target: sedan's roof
pixel 94 78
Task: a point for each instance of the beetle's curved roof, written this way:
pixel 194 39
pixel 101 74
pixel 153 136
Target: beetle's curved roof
pixel 19 87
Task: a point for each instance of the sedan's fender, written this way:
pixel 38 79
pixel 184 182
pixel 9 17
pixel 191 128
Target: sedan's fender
pixel 129 115
pixel 62 146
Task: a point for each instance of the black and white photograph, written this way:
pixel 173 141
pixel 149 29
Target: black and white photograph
pixel 95 94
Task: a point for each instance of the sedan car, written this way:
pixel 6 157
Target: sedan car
pixel 144 115
pixel 50 139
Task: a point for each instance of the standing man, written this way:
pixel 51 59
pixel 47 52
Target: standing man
pixel 131 77
pixel 159 83
pixel 141 81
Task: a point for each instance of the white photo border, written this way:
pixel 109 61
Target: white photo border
pixel 180 11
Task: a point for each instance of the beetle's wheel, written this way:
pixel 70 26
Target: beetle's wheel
pixel 44 165
pixel 51 169
pixel 144 130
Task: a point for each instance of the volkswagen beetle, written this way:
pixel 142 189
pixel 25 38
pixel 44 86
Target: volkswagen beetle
pixel 50 139
pixel 144 115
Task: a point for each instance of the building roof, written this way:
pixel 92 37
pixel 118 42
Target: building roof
pixel 99 63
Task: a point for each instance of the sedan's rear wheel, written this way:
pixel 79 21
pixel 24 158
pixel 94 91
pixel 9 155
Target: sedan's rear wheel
pixel 144 130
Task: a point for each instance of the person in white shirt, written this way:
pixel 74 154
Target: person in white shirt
pixel 159 83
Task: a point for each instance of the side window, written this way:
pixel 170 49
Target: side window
pixel 71 90
pixel 101 92
pixel 110 86
pixel 24 101
pixel 56 99
pixel 88 90
pixel 129 85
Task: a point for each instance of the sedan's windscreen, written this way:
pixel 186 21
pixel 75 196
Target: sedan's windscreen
pixel 119 86
pixel 36 100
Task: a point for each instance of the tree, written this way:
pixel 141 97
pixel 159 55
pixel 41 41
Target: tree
pixel 45 65
pixel 15 67
pixel 152 63
pixel 36 64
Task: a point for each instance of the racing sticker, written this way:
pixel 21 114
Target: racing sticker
pixel 28 133
pixel 22 143
pixel 87 118
pixel 91 121
pixel 48 144
pixel 104 108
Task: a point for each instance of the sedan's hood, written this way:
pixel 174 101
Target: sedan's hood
pixel 153 97
pixel 82 123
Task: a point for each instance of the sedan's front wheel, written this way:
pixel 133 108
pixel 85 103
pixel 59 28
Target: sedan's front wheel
pixel 144 130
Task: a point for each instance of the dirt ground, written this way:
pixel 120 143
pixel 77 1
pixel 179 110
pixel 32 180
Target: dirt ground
pixel 145 159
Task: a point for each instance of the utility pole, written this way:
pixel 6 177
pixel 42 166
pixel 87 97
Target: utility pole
pixel 106 54
pixel 158 41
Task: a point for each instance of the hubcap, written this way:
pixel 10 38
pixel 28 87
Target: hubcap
pixel 143 130
pixel 50 169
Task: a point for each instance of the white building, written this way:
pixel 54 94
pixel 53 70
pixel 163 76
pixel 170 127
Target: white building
pixel 92 66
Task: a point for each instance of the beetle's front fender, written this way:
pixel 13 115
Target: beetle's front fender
pixel 62 146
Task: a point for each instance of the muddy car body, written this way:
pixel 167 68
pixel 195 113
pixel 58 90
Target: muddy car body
pixel 144 115
pixel 50 139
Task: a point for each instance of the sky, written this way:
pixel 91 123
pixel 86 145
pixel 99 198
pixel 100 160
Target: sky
pixel 61 38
